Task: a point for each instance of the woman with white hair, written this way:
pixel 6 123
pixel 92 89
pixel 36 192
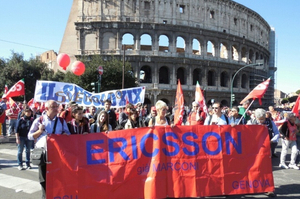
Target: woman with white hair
pixel 160 119
pixel 288 134
pixel 260 119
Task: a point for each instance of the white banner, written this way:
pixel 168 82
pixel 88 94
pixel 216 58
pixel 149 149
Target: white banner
pixel 63 93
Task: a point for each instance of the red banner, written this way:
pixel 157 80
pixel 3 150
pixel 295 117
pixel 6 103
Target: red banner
pixel 179 105
pixel 184 161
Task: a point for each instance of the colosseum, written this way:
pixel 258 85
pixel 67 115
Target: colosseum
pixel 165 40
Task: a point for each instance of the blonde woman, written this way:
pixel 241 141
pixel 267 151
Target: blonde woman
pixel 160 119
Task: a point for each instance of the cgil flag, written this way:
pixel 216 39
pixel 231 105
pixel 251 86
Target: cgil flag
pixel 296 107
pixel 199 97
pixel 258 91
pixel 179 105
pixel 17 90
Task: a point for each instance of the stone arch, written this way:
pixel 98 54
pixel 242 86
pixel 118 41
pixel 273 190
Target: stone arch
pixel 235 81
pixel 224 79
pixel 146 42
pixel 108 41
pixel 197 76
pixel 251 56
pixel 148 102
pixel 128 41
pixel 181 75
pixel 163 43
pixel 180 45
pixel 196 47
pixel 211 78
pixel 234 53
pixel 147 76
pixel 244 54
pixel 210 48
pixel 244 81
pixel 164 77
pixel 223 51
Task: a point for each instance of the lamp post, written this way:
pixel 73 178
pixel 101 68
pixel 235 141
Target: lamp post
pixel 232 80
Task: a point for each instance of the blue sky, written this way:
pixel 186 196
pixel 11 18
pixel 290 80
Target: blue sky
pixel 34 26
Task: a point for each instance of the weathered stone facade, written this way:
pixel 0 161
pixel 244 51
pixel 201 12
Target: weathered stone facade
pixel 166 40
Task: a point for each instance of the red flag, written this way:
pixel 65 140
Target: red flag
pixel 12 103
pixel 258 91
pixel 30 102
pixel 296 107
pixel 17 90
pixel 199 97
pixel 127 101
pixel 179 105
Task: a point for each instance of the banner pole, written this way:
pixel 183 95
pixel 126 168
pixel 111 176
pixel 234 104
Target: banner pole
pixel 246 111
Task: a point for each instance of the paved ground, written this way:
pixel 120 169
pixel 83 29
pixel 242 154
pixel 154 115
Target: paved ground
pixel 287 181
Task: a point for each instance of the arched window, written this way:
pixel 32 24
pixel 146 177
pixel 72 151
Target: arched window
pixel 244 82
pixel 145 74
pixel 164 75
pixel 235 81
pixel 234 53
pixel 210 49
pixel 224 79
pixel 127 41
pixel 196 47
pixel 244 55
pixel 197 76
pixel 181 75
pixel 211 78
pixel 180 45
pixel 223 51
pixel 163 43
pixel 146 42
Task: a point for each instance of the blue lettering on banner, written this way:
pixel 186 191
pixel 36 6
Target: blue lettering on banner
pixel 190 146
pixel 67 89
pixel 50 87
pixel 170 143
pixel 112 149
pixel 66 197
pixel 177 166
pixel 137 93
pixel 90 152
pixel 246 184
pixel 190 143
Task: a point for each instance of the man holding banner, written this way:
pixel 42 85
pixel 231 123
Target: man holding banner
pixel 43 127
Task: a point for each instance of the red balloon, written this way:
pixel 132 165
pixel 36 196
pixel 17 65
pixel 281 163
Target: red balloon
pixel 78 68
pixel 63 60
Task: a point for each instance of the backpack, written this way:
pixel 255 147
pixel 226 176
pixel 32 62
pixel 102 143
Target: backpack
pixel 60 119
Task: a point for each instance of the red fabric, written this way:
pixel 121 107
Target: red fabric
pixel 12 114
pixel 199 97
pixel 199 174
pixel 258 91
pixel 68 117
pixel 17 90
pixel 192 119
pixel 296 107
pixel 179 105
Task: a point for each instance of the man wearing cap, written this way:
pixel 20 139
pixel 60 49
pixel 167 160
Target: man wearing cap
pixel 67 114
pixel 3 115
pixel 152 114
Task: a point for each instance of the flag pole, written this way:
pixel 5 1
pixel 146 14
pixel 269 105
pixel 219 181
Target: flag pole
pixel 246 111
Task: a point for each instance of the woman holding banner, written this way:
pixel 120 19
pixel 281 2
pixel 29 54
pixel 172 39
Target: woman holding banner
pixel 160 119
pixel 101 124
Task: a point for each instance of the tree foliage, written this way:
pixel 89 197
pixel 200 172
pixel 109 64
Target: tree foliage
pixel 16 68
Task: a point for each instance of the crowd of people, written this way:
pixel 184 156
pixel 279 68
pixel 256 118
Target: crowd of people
pixel 31 125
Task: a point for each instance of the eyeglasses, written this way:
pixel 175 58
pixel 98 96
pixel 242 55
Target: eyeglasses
pixel 215 107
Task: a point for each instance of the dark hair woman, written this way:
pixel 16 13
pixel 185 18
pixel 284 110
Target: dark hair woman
pixel 79 124
pixel 101 124
pixel 23 127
